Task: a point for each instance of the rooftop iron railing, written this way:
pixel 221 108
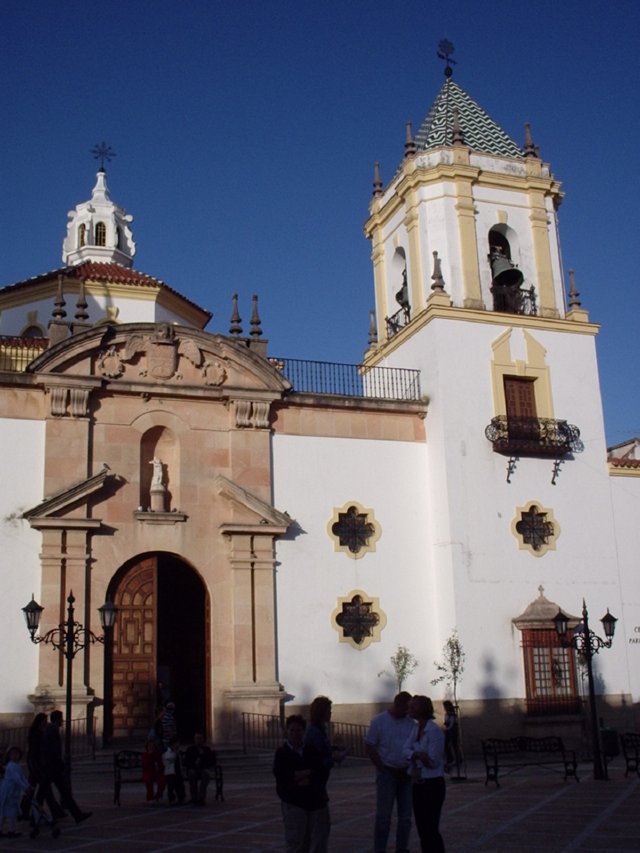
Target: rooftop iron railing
pixel 17 353
pixel 350 380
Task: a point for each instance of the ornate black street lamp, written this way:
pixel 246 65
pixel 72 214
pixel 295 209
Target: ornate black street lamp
pixel 69 637
pixel 588 644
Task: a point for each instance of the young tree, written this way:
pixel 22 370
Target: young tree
pixel 451 667
pixel 403 663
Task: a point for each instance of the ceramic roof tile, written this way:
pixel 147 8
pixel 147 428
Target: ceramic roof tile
pixel 481 133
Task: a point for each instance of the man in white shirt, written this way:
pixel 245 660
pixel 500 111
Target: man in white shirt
pixel 384 744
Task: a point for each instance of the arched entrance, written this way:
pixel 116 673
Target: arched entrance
pixel 160 636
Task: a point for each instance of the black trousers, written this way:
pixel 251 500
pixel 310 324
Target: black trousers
pixel 428 797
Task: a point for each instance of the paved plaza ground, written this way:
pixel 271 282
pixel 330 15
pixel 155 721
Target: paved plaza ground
pixel 534 810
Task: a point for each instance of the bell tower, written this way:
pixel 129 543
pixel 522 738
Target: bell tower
pixel 467 221
pixel 469 290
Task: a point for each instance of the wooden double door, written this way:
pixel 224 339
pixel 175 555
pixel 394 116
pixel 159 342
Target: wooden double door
pixel 159 650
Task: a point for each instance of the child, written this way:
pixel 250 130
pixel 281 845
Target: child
pixel 12 788
pixel 173 772
pixel 152 771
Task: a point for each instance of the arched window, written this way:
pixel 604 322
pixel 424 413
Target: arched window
pixel 101 234
pixel 82 235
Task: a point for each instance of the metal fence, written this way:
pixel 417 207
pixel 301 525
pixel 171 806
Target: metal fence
pixel 350 380
pixel 265 731
pixel 83 738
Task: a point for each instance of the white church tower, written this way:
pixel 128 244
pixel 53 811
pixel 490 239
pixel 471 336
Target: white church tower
pixel 98 230
pixel 469 289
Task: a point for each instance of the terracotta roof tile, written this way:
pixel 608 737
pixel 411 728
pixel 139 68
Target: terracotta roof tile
pixel 97 271
pixel 624 463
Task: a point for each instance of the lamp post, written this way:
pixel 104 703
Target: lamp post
pixel 69 637
pixel 585 642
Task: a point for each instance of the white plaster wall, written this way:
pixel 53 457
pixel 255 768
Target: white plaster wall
pixel 21 472
pixel 484 579
pixel 312 476
pixel 14 320
pixel 625 493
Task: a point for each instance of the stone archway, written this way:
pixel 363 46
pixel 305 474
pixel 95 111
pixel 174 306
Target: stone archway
pixel 160 635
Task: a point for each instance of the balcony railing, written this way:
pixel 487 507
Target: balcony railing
pixel 397 321
pixel 350 380
pixel 17 353
pixel 533 436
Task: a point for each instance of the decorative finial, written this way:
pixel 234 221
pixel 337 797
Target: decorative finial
pixel 103 152
pixel 58 311
pixel 438 281
pixel 377 182
pixel 574 296
pixel 541 591
pixel 457 136
pixel 373 334
pixel 445 49
pixel 235 328
pixel 409 144
pixel 81 305
pixel 530 150
pixel 256 329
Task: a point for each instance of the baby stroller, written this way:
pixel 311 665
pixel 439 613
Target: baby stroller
pixel 38 817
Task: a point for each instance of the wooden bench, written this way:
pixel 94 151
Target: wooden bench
pixel 513 753
pixel 630 742
pixel 127 770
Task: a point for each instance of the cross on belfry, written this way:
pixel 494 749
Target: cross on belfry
pixel 103 152
pixel 445 49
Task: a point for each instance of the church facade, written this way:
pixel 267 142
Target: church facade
pixel 270 529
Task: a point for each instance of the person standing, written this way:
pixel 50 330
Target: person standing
pixel 425 751
pixel 35 764
pixel 173 772
pixel 12 787
pixel 301 787
pixel 384 744
pixel 317 736
pixel 54 771
pixel 451 736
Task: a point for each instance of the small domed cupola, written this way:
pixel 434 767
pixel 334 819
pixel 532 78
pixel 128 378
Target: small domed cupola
pixel 98 230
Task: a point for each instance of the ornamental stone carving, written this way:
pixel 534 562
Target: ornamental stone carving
pixel 157 356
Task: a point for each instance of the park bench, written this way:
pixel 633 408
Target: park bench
pixel 509 754
pixel 630 742
pixel 127 770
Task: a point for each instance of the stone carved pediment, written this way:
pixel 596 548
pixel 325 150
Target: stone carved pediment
pixel 251 512
pixel 141 353
pixel 158 357
pixel 52 511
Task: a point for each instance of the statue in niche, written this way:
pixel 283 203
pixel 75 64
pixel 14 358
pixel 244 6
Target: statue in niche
pixel 156 478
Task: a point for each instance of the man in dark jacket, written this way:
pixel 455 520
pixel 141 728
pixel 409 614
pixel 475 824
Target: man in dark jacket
pixel 301 786
pixel 53 768
pixel 198 760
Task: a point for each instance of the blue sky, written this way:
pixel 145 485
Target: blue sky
pixel 246 132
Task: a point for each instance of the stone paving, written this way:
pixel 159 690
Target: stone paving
pixel 534 810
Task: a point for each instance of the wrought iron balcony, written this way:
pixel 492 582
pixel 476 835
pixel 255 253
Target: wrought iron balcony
pixel 533 436
pixel 397 321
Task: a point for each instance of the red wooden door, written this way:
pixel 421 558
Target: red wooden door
pixel 134 650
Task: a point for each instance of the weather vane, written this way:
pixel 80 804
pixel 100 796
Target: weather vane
pixel 104 153
pixel 445 49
